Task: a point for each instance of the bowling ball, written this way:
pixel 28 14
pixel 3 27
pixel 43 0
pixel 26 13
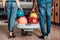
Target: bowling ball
pixel 33 20
pixel 22 20
pixel 33 15
pixel 20 13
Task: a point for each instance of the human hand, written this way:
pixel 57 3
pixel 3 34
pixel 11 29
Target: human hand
pixel 33 10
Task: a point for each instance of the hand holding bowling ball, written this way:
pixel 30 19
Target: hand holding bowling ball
pixel 33 15
pixel 20 13
pixel 33 10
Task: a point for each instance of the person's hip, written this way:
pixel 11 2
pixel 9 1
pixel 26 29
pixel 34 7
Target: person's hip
pixel 11 4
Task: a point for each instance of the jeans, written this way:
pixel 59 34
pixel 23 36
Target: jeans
pixel 11 8
pixel 44 10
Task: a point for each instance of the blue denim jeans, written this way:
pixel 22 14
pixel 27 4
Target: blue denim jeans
pixel 11 8
pixel 44 10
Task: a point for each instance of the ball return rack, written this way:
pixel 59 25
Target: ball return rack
pixel 27 29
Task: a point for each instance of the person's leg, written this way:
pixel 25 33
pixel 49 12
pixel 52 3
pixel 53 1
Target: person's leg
pixel 8 7
pixel 48 15
pixel 13 16
pixel 41 10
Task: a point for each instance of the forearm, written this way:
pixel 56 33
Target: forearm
pixel 3 2
pixel 18 3
pixel 34 2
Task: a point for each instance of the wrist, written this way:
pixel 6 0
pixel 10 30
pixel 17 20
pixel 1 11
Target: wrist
pixel 4 6
pixel 20 8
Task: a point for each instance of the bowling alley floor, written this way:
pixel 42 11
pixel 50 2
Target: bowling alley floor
pixel 55 33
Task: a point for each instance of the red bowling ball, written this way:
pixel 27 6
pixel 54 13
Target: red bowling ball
pixel 33 20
